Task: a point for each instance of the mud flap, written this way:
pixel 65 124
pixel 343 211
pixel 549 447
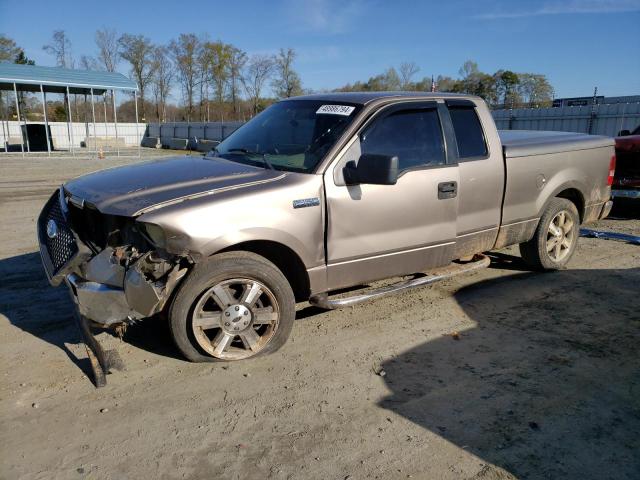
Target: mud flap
pixel 101 361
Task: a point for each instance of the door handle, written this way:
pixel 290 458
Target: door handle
pixel 447 190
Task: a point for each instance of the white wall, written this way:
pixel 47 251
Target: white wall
pixel 131 132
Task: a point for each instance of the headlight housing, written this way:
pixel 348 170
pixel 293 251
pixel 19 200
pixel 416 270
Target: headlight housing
pixel 154 234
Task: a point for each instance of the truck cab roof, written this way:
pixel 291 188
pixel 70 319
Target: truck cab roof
pixel 364 98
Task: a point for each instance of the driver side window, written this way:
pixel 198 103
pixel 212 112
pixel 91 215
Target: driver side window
pixel 414 136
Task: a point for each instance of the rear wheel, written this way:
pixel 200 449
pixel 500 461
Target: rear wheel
pixel 556 237
pixel 236 305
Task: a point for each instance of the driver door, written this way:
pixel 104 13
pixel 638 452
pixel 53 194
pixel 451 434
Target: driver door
pixel 380 231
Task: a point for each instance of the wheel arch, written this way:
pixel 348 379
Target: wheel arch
pixel 574 196
pixel 570 191
pixel 284 258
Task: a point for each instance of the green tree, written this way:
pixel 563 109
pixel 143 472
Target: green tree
pixel 507 83
pixel 185 50
pixel 287 82
pixel 9 50
pixel 59 113
pixel 447 84
pixel 535 89
pixel 237 61
pixel 138 51
pixel 475 82
pixel 22 59
pixel 219 56
pixel 391 80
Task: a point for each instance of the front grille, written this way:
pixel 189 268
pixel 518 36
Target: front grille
pixel 58 250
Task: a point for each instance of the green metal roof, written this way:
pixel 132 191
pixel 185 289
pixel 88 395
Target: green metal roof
pixel 56 79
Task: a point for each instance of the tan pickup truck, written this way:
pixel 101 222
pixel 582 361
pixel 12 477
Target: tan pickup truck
pixel 316 194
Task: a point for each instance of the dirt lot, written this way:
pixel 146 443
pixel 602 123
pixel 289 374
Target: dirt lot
pixel 542 381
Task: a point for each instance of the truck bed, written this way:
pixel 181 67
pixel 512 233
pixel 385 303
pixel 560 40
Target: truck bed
pixel 524 143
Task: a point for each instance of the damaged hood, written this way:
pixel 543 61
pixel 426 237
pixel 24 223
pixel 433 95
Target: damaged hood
pixel 133 189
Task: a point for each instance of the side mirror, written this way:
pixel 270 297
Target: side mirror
pixel 624 133
pixel 372 169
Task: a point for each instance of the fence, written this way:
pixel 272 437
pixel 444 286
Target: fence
pixel 79 135
pixel 194 131
pixel 602 119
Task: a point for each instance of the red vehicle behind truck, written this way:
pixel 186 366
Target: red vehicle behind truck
pixel 626 182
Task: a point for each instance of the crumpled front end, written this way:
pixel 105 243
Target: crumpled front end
pixel 114 271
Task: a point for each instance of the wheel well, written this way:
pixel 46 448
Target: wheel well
pixel 575 197
pixel 285 259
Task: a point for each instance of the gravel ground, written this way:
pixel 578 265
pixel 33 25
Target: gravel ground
pixel 499 374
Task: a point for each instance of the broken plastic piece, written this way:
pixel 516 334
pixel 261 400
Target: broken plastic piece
pixel 101 362
pixel 623 237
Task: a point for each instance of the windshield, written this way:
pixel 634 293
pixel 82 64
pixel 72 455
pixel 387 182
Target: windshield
pixel 293 135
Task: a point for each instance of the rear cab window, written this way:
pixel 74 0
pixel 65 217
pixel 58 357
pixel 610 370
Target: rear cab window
pixel 470 139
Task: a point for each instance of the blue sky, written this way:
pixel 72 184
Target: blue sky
pixel 578 44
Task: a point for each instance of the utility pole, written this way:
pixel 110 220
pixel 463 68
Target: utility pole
pixel 592 115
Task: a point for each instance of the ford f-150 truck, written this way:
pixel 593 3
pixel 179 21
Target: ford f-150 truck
pixel 317 194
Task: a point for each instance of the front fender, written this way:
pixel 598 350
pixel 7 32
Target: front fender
pixel 204 226
pixel 306 254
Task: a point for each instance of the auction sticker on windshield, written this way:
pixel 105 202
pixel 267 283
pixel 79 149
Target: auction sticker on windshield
pixel 336 110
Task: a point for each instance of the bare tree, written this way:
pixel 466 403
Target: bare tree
pixel 468 69
pixel 204 80
pixel 60 48
pixel 108 48
pixel 258 70
pixel 138 51
pixel 287 82
pixel 237 61
pixel 88 63
pixel 407 71
pixel 161 82
pixel 185 55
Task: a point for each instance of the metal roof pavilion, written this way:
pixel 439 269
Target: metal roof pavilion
pixel 28 78
pixel 43 80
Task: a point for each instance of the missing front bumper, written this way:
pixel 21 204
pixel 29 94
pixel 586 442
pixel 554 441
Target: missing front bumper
pixel 112 294
pixel 100 303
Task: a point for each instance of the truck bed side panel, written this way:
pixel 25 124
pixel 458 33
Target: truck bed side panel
pixel 538 170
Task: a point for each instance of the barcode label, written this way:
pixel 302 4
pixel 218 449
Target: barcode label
pixel 336 110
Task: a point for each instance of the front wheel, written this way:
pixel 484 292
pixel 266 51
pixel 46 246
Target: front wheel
pixel 555 238
pixel 234 306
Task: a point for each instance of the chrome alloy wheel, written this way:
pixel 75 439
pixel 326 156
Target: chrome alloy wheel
pixel 235 319
pixel 560 236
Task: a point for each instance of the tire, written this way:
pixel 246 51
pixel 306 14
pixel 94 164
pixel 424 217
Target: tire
pixel 234 294
pixel 563 242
